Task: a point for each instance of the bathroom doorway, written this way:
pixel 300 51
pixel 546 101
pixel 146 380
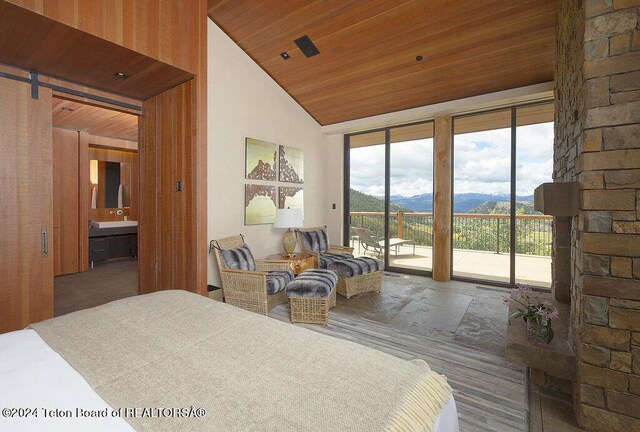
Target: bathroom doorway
pixel 95 204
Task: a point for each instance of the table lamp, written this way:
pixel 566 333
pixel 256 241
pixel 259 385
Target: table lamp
pixel 288 218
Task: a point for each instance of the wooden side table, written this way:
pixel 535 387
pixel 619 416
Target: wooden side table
pixel 298 262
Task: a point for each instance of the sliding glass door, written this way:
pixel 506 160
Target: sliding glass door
pixel 533 166
pixel 391 195
pixel 367 191
pixel 411 197
pixel 482 196
pixel 500 157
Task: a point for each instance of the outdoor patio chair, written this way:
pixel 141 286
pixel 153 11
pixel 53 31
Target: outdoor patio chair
pixel 254 285
pixel 375 245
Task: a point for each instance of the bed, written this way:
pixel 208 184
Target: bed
pixel 173 360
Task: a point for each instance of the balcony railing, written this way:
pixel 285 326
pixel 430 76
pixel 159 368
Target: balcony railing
pixel 481 232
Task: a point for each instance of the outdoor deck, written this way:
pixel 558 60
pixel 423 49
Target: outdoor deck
pixel 530 269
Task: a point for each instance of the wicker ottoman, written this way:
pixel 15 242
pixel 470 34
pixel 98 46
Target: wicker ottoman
pixel 311 294
pixel 358 275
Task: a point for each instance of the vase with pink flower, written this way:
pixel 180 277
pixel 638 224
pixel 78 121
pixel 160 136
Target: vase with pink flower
pixel 537 314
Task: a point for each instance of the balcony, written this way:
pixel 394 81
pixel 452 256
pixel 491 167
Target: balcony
pixel 480 244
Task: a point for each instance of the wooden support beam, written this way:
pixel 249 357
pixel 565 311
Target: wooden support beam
pixel 442 199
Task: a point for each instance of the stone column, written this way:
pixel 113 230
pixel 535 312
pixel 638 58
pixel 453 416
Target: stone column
pixel 598 141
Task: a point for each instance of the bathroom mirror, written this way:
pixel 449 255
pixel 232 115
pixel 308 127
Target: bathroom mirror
pixel 110 184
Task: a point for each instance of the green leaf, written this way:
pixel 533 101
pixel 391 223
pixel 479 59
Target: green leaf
pixel 515 315
pixel 549 334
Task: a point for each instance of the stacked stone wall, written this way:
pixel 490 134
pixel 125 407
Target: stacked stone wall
pixel 597 142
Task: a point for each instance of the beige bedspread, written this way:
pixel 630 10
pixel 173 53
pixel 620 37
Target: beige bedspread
pixel 174 349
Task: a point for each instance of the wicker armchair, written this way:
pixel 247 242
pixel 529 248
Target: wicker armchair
pixel 318 252
pixel 247 289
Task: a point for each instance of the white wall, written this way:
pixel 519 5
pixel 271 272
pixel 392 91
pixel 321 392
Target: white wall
pixel 243 101
pixel 334 172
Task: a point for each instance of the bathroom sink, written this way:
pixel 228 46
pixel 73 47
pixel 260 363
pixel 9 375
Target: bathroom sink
pixel 116 224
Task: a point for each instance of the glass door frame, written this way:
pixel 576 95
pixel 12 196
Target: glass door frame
pixel 387 192
pixel 512 191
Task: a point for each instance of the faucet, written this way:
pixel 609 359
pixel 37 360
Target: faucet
pixel 118 212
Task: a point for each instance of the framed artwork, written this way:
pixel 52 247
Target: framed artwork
pixel 291 197
pixel 260 159
pixel 259 204
pixel 291 165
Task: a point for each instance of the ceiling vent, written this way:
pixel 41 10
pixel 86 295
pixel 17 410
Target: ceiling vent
pixel 306 46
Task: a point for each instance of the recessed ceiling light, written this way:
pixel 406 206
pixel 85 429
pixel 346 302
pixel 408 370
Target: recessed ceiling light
pixel 285 55
pixel 419 58
pixel 121 75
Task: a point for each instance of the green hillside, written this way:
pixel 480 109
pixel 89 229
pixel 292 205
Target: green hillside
pixel 493 207
pixel 361 202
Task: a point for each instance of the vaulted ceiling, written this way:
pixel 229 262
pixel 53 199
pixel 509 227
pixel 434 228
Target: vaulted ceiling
pixel 367 63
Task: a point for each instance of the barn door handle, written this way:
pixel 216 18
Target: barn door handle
pixel 44 242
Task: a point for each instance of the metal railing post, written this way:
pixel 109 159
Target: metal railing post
pixel 498 237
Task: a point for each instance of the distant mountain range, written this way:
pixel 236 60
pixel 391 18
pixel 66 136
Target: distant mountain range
pixel 462 203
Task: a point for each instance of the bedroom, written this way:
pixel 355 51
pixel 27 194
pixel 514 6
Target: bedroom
pixel 183 263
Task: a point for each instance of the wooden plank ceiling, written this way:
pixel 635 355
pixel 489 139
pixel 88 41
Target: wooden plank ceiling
pixel 367 63
pixel 37 43
pixel 95 120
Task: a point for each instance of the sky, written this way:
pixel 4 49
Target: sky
pixel 481 163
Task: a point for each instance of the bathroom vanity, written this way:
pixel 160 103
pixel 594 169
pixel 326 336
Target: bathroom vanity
pixel 113 240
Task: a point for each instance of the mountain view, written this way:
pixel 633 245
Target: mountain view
pixel 462 203
pixel 368 203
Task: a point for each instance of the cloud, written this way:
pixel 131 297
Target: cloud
pixel 482 163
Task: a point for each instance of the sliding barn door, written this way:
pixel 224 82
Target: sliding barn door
pixel 26 212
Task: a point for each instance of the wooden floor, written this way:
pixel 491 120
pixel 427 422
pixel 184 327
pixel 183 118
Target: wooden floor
pixel 489 391
pixel 108 281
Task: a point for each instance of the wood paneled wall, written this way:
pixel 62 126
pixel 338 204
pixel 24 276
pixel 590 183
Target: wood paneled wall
pixel 100 141
pixel 83 200
pixel 166 30
pixel 169 220
pixel 66 202
pixel 104 214
pixel 26 180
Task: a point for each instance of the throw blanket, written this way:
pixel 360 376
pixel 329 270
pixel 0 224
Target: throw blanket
pixel 174 349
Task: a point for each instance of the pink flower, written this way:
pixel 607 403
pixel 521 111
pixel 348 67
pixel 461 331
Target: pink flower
pixel 522 292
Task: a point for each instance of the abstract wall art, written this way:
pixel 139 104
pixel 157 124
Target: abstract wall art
pixel 291 165
pixel 260 159
pixel 291 197
pixel 259 204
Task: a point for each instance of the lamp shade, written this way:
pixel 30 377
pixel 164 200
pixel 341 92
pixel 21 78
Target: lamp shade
pixel 288 218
